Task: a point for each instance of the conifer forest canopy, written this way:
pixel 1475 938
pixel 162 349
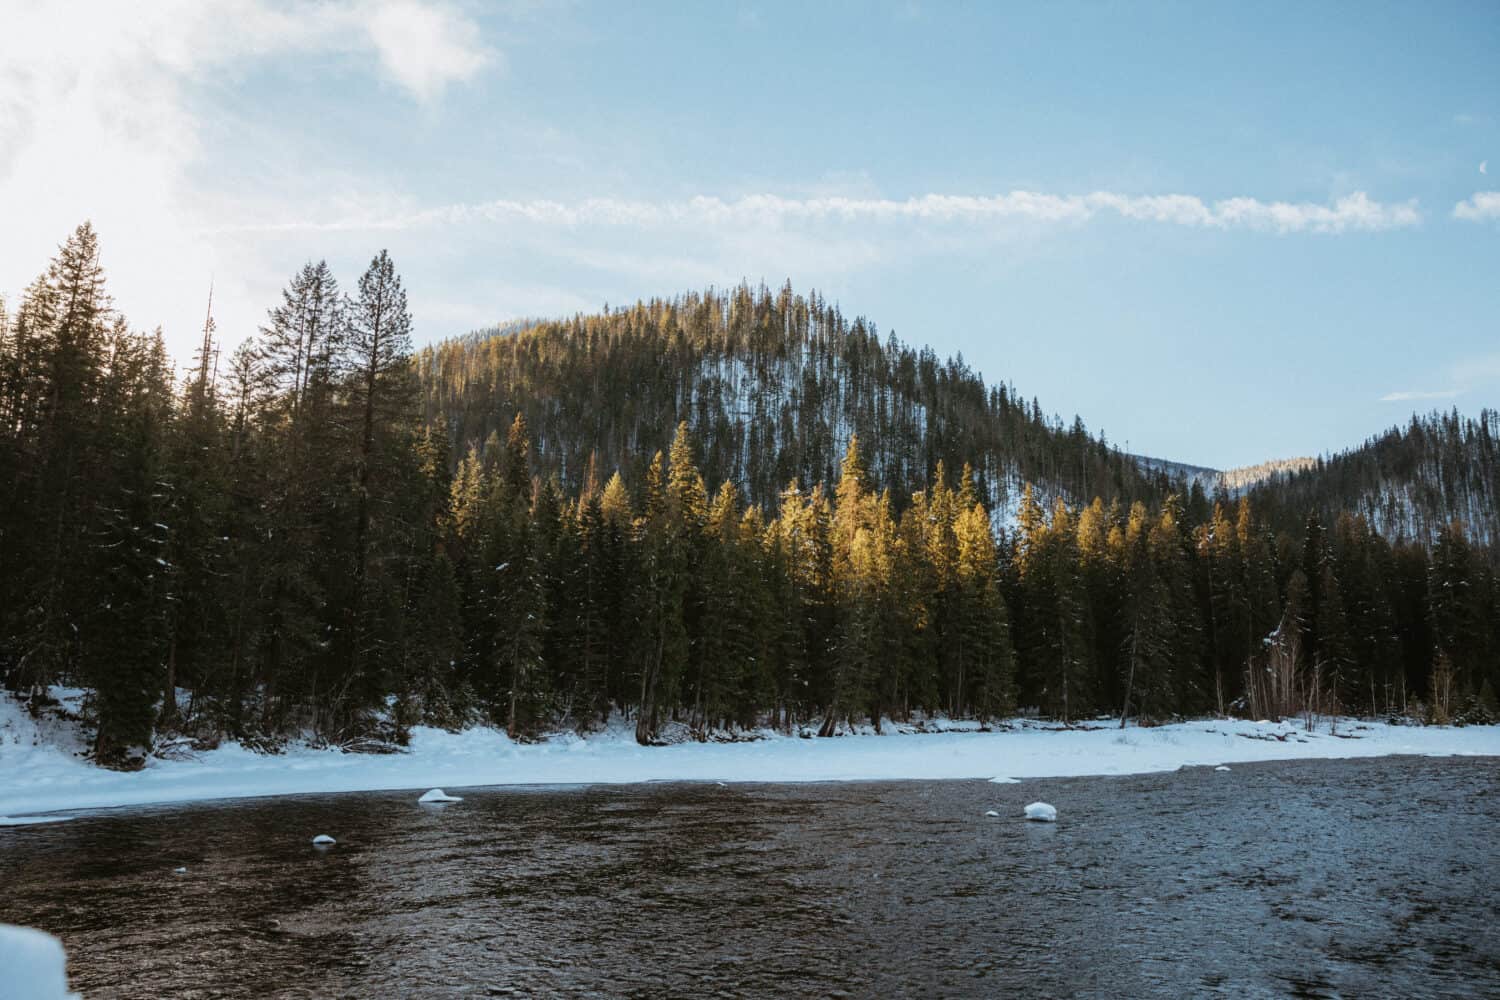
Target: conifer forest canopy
pixel 727 510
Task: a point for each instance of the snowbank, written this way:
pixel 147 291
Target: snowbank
pixel 38 776
pixel 34 963
pixel 32 820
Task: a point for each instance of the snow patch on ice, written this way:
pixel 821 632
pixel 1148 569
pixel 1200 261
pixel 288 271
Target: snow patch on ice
pixel 32 820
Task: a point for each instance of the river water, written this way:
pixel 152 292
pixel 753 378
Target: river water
pixel 1315 878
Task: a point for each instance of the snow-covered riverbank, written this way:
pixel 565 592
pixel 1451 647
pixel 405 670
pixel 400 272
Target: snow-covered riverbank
pixel 38 774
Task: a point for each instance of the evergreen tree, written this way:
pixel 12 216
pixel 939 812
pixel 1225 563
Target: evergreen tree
pixel 376 367
pixel 1458 606
pixel 1054 617
pixel 857 569
pixel 664 651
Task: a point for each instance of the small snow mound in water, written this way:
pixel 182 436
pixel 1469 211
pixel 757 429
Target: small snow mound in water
pixel 179 871
pixel 438 795
pixel 1005 781
pixel 323 840
pixel 992 813
pixel 36 967
pixel 1041 812
pixel 1221 767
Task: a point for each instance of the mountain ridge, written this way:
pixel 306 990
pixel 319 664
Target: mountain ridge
pixel 775 384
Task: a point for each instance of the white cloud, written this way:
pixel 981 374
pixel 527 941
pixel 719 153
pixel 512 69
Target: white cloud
pixel 426 47
pixel 1484 166
pixel 1482 207
pixel 1356 212
pixel 1409 396
pixel 99 121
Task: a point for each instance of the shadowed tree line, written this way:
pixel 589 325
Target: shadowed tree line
pixel 324 534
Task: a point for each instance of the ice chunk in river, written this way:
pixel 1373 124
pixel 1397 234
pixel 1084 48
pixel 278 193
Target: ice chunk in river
pixel 992 813
pixel 36 967
pixel 1041 812
pixel 1221 767
pixel 323 840
pixel 1005 781
pixel 438 795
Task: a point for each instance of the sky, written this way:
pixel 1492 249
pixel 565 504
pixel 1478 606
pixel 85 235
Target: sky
pixel 1218 233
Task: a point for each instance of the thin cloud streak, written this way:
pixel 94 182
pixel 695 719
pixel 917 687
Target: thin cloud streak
pixel 1354 213
pixel 1410 396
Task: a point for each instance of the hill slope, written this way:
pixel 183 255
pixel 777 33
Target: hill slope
pixel 1409 482
pixel 773 386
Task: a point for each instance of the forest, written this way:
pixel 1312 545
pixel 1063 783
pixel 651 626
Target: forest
pixel 705 515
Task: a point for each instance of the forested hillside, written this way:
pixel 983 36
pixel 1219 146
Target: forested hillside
pixel 705 516
pixel 774 386
pixel 1410 482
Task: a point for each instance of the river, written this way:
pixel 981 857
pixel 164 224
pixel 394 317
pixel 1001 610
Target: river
pixel 1357 878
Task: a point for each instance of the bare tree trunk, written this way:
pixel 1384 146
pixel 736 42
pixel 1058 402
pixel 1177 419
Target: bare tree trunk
pixel 645 723
pixel 169 687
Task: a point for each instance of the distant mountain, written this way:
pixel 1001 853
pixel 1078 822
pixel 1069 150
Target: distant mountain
pixel 1232 481
pixel 773 386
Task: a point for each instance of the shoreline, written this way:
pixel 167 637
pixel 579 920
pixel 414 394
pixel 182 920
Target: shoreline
pixel 43 777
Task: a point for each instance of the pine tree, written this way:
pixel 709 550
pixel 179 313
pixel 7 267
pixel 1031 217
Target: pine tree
pixel 1228 606
pixel 289 399
pixel 593 646
pixel 725 654
pixel 989 660
pixel 375 365
pixel 64 322
pixel 857 569
pixel 664 651
pixel 1101 549
pixel 520 642
pixel 619 583
pixel 1055 614
pixel 1457 609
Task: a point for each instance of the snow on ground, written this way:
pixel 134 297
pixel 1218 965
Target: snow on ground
pixel 34 963
pixel 38 776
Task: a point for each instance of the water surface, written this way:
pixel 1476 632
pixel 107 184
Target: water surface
pixel 1313 878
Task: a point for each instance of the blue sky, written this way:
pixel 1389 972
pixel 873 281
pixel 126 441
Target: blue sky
pixel 1220 233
